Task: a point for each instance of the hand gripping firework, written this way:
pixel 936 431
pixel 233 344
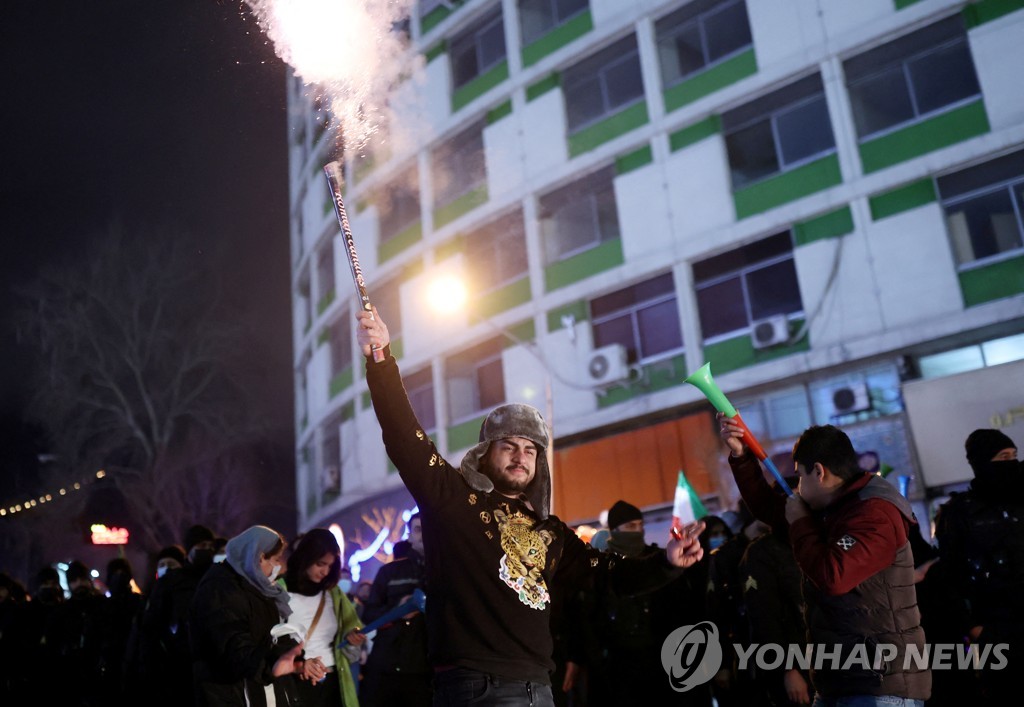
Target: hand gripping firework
pixel 332 171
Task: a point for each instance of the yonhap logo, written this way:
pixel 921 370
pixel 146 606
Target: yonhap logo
pixel 691 655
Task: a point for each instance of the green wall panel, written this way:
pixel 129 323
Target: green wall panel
pixel 981 11
pixel 691 134
pixel 480 85
pixel 739 352
pixel 578 309
pixel 788 186
pixel 912 141
pixel 611 127
pixel 325 302
pixel 466 434
pixel 717 77
pixel 992 282
pixel 598 259
pixel 901 199
pixel 900 4
pixel 558 38
pixel 444 215
pixel 499 112
pixel 435 51
pixel 341 380
pixel 397 348
pixel 433 18
pixel 408 236
pixel 548 83
pixel 831 225
pixel 504 298
pixel 634 160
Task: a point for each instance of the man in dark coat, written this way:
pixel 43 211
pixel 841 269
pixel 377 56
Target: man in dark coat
pixel 850 534
pixel 493 551
pixel 981 544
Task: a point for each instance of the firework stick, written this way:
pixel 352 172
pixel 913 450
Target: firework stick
pixel 333 172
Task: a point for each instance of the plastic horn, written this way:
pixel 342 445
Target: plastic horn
pixel 702 380
pixel 418 602
pixel 332 171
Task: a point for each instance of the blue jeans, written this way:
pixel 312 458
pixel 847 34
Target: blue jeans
pixel 460 686
pixel 866 701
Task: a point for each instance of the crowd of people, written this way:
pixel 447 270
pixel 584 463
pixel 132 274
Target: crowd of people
pixel 521 611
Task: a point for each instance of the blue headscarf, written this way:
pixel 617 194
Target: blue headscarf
pixel 243 554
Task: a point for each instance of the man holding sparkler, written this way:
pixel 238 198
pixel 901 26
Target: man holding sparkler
pixel 493 552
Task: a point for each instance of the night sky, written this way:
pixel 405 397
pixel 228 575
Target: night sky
pixel 147 113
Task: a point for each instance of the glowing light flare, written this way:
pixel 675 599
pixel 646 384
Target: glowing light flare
pixel 339 535
pixel 447 294
pixel 102 535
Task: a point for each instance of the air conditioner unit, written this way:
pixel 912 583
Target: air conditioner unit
pixel 770 332
pixel 608 365
pixel 850 398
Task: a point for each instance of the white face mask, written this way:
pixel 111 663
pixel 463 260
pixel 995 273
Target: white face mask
pixel 161 571
pixel 345 585
pixel 220 558
pixel 274 572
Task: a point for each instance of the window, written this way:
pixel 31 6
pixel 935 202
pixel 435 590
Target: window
pixel 579 216
pixel 428 6
pixel 420 388
pixel 602 84
pixel 496 252
pixel 745 285
pixel 970 358
pixel 478 49
pixel 476 380
pixel 325 273
pixel 341 343
pixel 642 317
pixel 911 78
pixel 699 35
pixel 984 207
pixel 459 166
pixel 778 132
pixel 399 204
pixel 538 17
pixel 330 456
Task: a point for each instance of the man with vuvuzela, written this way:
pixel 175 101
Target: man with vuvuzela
pixel 849 531
pixel 493 552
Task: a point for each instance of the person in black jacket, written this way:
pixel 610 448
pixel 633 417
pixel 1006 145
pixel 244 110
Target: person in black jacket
pixel 981 545
pixel 235 659
pixel 493 552
pixel 397 671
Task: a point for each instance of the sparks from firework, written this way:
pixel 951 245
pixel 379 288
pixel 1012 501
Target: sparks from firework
pixel 348 48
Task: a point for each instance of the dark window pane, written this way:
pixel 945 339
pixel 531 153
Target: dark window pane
pixel 341 344
pixel 881 101
pixel 943 77
pixel 399 205
pixel 623 82
pixel 1002 169
pixel 492 45
pixel 627 297
pixel 536 17
pixel 805 131
pixel 420 387
pixel 751 154
pixel 465 66
pixel 984 226
pixel 618 330
pixel 496 253
pixel 689 52
pixel 584 102
pixel 774 290
pixel 660 329
pixel 721 308
pixel 490 384
pixel 727 31
pixel 735 260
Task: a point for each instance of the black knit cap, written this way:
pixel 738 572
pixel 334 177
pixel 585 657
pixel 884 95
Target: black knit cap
pixel 623 512
pixel 174 552
pixel 197 534
pixel 982 445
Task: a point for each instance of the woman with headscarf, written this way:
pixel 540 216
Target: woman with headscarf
pixel 326 616
pixel 235 607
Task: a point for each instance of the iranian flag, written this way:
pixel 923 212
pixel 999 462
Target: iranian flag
pixel 687 506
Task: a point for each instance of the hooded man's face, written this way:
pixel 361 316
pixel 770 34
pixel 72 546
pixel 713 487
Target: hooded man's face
pixel 511 464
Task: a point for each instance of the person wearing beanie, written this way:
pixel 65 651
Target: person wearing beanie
pixel 75 638
pixel 493 551
pixel 169 558
pixel 164 633
pixel 981 549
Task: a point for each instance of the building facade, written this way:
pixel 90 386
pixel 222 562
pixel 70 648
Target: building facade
pixel 822 198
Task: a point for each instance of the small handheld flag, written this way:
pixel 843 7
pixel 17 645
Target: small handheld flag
pixel 686 507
